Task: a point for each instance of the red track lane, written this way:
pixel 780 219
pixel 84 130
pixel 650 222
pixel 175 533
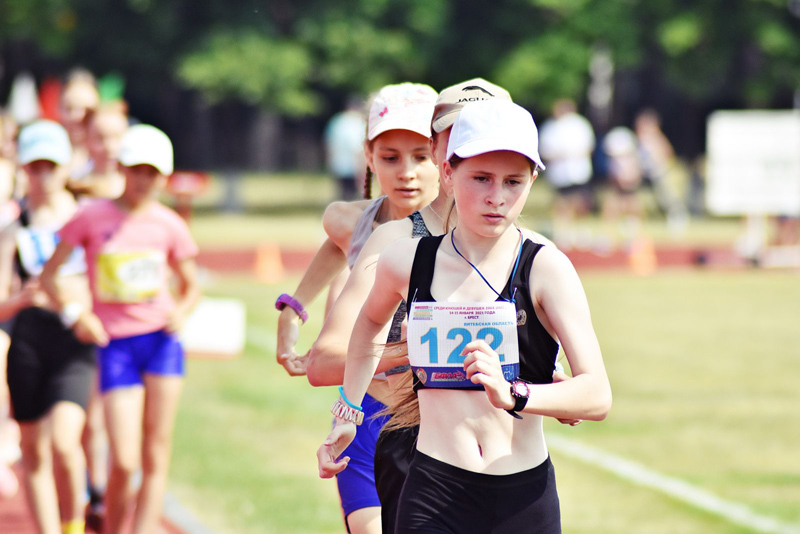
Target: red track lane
pixel 295 260
pixel 15 517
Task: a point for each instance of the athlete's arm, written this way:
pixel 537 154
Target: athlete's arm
pixel 87 327
pixel 559 292
pixel 364 351
pixel 188 292
pixel 327 357
pixel 328 262
pixel 339 220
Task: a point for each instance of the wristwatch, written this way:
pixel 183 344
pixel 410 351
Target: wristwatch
pixel 520 392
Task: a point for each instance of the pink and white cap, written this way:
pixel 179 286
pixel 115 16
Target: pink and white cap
pixel 405 106
pixel 491 126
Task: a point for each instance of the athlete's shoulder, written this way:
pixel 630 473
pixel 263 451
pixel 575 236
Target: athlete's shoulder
pixel 340 218
pixel 344 208
pixel 168 215
pixel 536 237
pixel 393 230
pixel 551 265
pixel 400 256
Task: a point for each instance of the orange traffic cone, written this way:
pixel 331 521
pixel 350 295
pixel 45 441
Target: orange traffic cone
pixel 642 256
pixel 268 265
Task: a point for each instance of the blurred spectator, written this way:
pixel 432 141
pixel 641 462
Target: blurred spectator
pixel 660 167
pixel 622 203
pixel 79 100
pixel 106 128
pixel 344 144
pixel 566 144
pixel 23 100
pixel 104 135
pixel 8 166
pixel 49 371
pixel 9 211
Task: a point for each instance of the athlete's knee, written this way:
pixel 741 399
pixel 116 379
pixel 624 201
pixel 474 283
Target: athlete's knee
pixel 155 456
pixel 66 450
pixel 35 454
pixel 126 462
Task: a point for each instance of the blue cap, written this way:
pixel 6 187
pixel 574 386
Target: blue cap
pixel 44 140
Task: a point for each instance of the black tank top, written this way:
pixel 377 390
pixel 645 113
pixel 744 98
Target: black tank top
pixel 395 332
pixel 537 348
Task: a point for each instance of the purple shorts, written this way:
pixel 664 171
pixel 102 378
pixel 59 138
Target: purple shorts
pixel 125 361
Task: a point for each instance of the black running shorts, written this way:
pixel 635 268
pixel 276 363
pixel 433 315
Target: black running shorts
pixel 46 365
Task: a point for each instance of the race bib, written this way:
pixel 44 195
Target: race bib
pixel 133 276
pixel 36 245
pixel 438 333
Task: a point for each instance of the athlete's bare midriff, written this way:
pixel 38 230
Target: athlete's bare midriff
pixel 461 428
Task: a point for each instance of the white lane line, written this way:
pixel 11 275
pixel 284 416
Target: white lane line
pixel 678 489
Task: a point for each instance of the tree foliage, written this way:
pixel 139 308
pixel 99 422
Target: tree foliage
pixel 293 56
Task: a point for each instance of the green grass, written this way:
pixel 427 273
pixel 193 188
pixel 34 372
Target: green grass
pixel 704 367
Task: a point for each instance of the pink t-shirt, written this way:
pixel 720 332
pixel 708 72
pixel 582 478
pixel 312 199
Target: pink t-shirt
pixel 128 256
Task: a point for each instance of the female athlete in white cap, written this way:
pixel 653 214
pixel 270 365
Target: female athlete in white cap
pixel 485 321
pixel 398 153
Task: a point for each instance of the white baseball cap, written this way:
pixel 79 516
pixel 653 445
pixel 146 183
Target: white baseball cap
pixel 493 125
pixel 405 106
pixel 44 140
pixel 455 97
pixel 143 144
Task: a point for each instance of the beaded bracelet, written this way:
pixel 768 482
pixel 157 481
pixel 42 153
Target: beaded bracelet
pixel 346 413
pixel 287 300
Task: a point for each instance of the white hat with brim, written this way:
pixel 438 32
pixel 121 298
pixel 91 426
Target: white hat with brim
pixel 492 126
pixel 44 140
pixel 452 99
pixel 143 144
pixel 405 106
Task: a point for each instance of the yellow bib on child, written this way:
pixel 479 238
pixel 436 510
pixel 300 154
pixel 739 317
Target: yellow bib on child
pixel 130 276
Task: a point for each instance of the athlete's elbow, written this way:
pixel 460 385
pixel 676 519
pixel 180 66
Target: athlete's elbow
pixel 319 371
pixel 602 406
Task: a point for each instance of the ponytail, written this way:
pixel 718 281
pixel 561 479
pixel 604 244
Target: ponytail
pixel 368 184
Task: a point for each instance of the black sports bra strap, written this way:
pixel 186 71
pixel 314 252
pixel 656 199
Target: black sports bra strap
pixel 419 283
pixel 529 251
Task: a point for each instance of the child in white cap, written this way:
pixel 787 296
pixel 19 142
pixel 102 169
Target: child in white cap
pixel 398 155
pixel 487 310
pixel 50 371
pixel 133 245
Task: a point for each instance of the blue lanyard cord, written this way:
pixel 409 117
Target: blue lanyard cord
pixel 513 273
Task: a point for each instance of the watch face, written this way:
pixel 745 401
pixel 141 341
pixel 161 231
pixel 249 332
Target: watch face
pixel 521 389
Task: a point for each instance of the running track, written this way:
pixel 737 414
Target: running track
pixel 16 519
pixel 295 260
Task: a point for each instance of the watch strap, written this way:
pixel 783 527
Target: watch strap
pixel 520 401
pixel 287 300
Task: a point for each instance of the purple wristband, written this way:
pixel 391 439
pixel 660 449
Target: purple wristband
pixel 287 300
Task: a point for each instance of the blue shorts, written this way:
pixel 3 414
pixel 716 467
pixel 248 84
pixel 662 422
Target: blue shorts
pixel 357 482
pixel 126 360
